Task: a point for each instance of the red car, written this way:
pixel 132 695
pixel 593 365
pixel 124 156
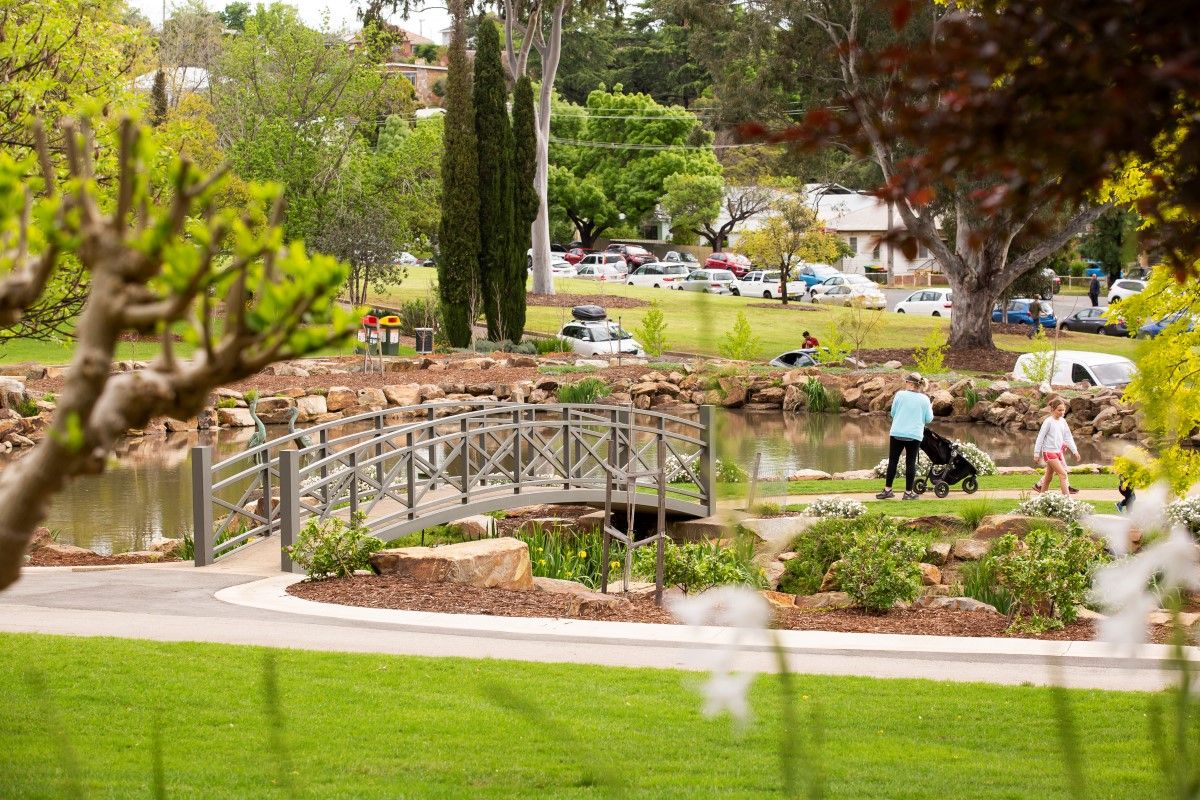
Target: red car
pixel 634 255
pixel 738 265
pixel 576 254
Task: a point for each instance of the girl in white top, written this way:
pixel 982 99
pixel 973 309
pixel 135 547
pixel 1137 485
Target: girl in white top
pixel 1053 441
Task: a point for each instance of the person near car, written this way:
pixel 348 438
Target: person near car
pixel 810 340
pixel 1094 291
pixel 1035 311
pixel 1053 441
pixel 911 412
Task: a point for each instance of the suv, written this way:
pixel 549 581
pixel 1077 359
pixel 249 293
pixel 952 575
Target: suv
pixel 634 255
pixel 611 261
pixel 738 265
pixel 598 337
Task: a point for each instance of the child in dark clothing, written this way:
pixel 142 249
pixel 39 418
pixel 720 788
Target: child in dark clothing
pixel 1127 495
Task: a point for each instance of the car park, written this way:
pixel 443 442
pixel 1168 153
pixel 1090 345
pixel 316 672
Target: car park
pixel 598 338
pixel 766 283
pixel 926 303
pixel 556 251
pixel 853 294
pixel 634 255
pixel 658 275
pixel 1019 313
pixel 610 261
pixel 406 259
pixel 576 254
pixel 1087 320
pixel 1124 289
pixel 803 357
pixel 600 272
pixel 680 257
pixel 561 268
pixel 1072 367
pixel 812 274
pixel 710 281
pixel 738 265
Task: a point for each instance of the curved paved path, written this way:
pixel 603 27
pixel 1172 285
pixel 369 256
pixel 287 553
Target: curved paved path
pixel 243 602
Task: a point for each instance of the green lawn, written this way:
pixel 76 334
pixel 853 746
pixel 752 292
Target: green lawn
pixel 83 713
pixel 18 351
pixel 992 482
pixel 696 322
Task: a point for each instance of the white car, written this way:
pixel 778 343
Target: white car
pixel 602 338
pixel 765 283
pixel 407 259
pixel 1070 367
pixel 852 295
pixel 610 261
pixel 926 303
pixel 1124 289
pixel 710 281
pixel 864 284
pixel 658 275
pixel 559 267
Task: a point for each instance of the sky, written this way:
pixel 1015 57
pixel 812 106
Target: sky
pixel 428 22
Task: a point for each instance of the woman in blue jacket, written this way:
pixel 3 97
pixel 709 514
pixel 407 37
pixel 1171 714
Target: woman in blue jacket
pixel 911 412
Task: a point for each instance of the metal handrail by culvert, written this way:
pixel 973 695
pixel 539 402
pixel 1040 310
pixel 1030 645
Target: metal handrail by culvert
pixel 414 467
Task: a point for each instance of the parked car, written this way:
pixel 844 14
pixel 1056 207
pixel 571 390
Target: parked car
pixel 804 357
pixel 853 294
pixel 611 261
pixel 1115 327
pixel 711 281
pixel 1137 274
pixel 1019 313
pixel 576 254
pixel 1093 268
pixel 657 275
pixel 765 283
pixel 926 303
pixel 600 337
pixel 600 272
pixel 680 257
pixel 867 285
pixel 556 251
pixel 634 255
pixel 561 268
pixel 738 265
pixel 1088 320
pixel 1153 329
pixel 812 274
pixel 406 259
pixel 1070 367
pixel 1124 289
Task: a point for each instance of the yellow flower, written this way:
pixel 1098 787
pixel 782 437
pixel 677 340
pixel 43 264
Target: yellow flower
pixel 541 562
pixel 583 553
pixel 614 564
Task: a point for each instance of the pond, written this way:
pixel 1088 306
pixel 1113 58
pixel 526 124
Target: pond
pixel 146 491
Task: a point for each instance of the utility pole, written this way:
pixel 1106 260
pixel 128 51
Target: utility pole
pixel 891 261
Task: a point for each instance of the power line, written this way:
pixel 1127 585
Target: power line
pixel 621 146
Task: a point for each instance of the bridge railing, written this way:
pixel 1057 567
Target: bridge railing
pixel 455 459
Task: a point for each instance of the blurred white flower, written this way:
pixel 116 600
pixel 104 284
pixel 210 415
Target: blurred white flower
pixel 743 614
pixel 1148 514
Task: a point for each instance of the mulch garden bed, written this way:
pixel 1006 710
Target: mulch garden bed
pixel 985 361
pixel 44 557
pixel 398 593
pixel 605 301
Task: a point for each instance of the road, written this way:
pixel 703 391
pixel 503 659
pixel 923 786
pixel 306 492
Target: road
pixel 1064 304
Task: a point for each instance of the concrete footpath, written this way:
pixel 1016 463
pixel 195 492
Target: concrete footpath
pixel 178 603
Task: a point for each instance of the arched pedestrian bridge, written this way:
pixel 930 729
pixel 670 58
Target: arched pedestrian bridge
pixel 414 467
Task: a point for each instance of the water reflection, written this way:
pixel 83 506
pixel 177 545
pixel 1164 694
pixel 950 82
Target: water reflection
pixel 146 491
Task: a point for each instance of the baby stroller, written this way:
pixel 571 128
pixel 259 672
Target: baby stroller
pixel 948 467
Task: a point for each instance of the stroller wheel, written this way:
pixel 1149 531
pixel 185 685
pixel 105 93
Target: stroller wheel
pixel 970 485
pixel 941 488
pixel 920 486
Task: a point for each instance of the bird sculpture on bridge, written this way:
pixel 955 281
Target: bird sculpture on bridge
pixel 260 431
pixel 303 441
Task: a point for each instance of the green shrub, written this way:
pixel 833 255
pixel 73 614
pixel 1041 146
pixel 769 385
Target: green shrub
pixel 652 333
pixel 250 395
pixel 740 343
pixel 836 347
pixel 971 396
pixel 588 390
pixel 1077 268
pixel 767 509
pixel 729 471
pixel 972 512
pixel 1047 574
pixel 227 402
pixel 26 407
pixel 569 555
pixel 697 566
pixel 421 312
pixel 979 582
pixel 546 345
pixel 931 359
pixel 881 565
pixel 816 397
pixel 332 548
pixel 821 544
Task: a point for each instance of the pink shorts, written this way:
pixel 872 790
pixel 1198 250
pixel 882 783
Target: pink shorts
pixel 1056 456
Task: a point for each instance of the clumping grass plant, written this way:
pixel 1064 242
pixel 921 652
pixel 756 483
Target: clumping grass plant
pixel 568 554
pixel 972 512
pixel 588 390
pixel 697 566
pixel 840 507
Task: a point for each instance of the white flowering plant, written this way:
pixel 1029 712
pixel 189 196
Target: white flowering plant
pixel 839 507
pixel 1056 505
pixel 1186 513
pixel 981 461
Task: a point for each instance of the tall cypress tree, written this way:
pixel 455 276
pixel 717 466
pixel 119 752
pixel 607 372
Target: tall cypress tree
pixel 158 99
pixel 493 135
pixel 525 203
pixel 458 239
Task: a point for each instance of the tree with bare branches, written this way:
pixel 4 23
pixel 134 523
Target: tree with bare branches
pixel 163 258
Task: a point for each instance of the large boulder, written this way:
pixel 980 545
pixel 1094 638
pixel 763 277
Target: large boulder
pixel 403 395
pixel 937 524
pixel 824 601
pixel 994 526
pixel 733 392
pixel 372 396
pixel 500 563
pixel 970 549
pixel 12 392
pixel 954 604
pixel 234 418
pixel 340 397
pixel 274 410
pixel 943 403
pixel 310 407
pixel 930 575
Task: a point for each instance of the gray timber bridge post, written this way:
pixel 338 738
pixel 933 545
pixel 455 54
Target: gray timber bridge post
pixel 415 467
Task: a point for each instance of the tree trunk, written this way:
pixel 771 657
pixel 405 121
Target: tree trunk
pixel 974 297
pixel 543 280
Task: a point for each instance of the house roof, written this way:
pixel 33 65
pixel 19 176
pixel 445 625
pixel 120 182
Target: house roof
pixel 839 208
